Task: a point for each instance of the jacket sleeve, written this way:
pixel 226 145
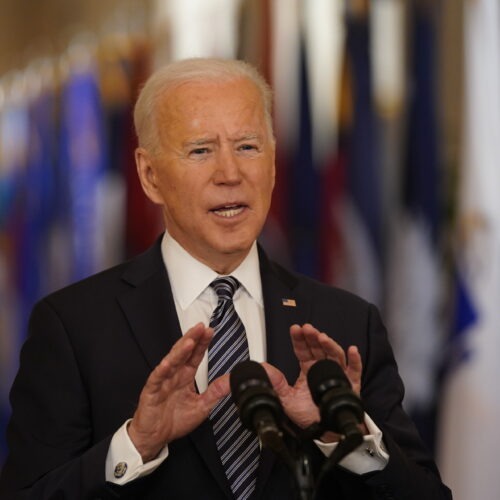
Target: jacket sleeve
pixel 411 473
pixel 50 436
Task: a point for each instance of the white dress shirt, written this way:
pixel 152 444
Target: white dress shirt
pixel 195 301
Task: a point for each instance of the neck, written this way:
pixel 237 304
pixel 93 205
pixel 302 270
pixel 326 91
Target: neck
pixel 223 264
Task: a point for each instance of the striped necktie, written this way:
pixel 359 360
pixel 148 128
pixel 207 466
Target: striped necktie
pixel 238 448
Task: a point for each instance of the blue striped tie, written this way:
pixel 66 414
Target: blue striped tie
pixel 238 448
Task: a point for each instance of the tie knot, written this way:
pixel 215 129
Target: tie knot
pixel 225 287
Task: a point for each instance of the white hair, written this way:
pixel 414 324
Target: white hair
pixel 188 70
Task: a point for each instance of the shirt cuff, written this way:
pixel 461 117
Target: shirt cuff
pixel 123 461
pixel 370 456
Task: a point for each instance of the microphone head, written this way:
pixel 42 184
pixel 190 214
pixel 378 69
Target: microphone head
pixel 324 375
pixel 245 372
pixel 252 392
pixel 340 408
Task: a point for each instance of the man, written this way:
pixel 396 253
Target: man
pixel 117 396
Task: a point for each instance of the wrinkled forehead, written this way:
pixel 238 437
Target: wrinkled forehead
pixel 235 103
pixel 182 93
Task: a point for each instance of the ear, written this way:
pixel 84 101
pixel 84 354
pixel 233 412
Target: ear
pixel 147 175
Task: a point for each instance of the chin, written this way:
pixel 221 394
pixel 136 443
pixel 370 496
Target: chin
pixel 234 249
pixel 233 246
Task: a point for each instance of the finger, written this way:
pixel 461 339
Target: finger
pixel 185 347
pixel 170 364
pixel 333 350
pixel 200 348
pixel 198 333
pixel 177 357
pixel 277 379
pixel 354 369
pixel 216 390
pixel 310 345
pixel 311 337
pixel 296 400
pixel 299 343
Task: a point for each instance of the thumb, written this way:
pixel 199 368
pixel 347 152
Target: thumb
pixel 354 368
pixel 216 390
pixel 278 380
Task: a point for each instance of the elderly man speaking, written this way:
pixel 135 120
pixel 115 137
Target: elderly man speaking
pixel 123 387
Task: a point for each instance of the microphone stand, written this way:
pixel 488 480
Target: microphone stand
pixel 303 476
pixel 298 462
pixel 349 443
pixel 344 447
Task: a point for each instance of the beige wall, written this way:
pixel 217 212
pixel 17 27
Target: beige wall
pixel 32 28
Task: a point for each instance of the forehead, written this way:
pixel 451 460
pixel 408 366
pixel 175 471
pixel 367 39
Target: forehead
pixel 208 103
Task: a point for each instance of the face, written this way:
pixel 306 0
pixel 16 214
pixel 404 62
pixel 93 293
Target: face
pixel 214 174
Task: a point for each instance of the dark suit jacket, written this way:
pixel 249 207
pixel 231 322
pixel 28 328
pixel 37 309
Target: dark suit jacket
pixel 92 346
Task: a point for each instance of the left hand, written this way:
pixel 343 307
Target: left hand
pixel 169 405
pixel 311 345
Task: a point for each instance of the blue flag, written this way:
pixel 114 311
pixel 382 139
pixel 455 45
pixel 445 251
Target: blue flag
pixel 83 159
pixel 304 191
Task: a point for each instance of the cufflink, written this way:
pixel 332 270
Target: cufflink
pixel 120 469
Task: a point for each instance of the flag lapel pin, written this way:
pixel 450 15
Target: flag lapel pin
pixel 289 302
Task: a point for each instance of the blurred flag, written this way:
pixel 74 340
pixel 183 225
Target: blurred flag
pixel 304 189
pixel 324 34
pixel 198 28
pixel 143 219
pixel 14 140
pixel 254 26
pixel 387 27
pixel 308 122
pixel 267 38
pixel 471 403
pixel 83 157
pixel 114 64
pixel 284 63
pixel 37 207
pixel 360 211
pixel 414 283
pixel 389 20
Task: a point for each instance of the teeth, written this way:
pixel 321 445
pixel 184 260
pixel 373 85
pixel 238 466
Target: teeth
pixel 229 211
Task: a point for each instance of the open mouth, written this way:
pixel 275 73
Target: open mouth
pixel 228 210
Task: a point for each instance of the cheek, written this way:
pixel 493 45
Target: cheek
pixel 172 188
pixel 183 199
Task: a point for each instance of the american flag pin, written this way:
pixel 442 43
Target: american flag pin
pixel 289 302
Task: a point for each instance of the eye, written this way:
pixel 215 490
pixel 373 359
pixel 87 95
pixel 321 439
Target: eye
pixel 199 151
pixel 248 147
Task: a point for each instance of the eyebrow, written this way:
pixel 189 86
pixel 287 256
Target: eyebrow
pixel 211 140
pixel 248 137
pixel 200 142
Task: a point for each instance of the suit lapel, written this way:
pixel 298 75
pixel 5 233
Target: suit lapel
pixel 151 315
pixel 150 310
pixel 284 306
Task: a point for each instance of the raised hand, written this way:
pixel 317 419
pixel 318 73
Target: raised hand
pixel 311 345
pixel 169 406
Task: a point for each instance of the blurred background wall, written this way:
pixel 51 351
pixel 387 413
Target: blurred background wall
pixel 387 116
pixel 32 29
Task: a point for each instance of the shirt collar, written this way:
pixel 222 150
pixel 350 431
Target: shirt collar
pixel 189 277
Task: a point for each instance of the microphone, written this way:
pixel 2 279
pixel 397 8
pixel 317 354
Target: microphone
pixel 261 412
pixel 340 408
pixel 258 404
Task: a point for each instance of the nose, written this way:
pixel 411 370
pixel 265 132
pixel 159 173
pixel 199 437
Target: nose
pixel 227 169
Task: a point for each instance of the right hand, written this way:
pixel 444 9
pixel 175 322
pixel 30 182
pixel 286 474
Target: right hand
pixel 310 345
pixel 169 406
